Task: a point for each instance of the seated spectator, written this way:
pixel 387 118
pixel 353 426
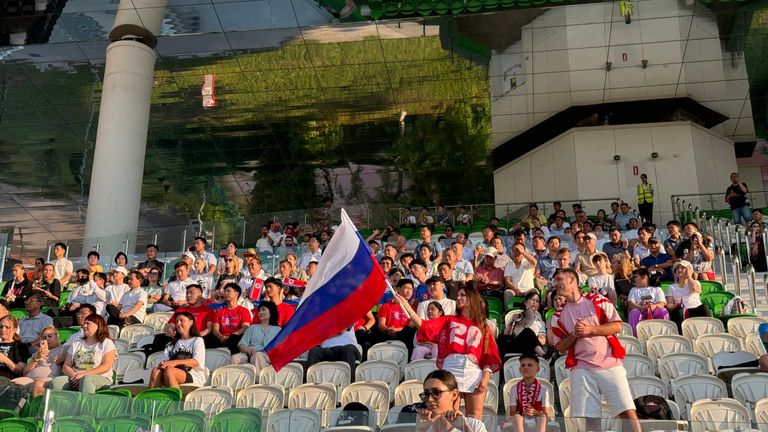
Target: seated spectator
pixel 49 287
pixel 436 287
pixel 529 404
pixel 203 315
pixel 408 219
pixel 273 291
pixel 602 282
pixel 37 274
pixel 18 289
pixel 436 249
pixel 645 301
pixel 701 257
pixel 88 291
pixel 489 279
pixel 117 287
pixel 461 269
pixel 341 347
pixel 462 217
pixel 640 248
pixel 622 267
pixel 584 258
pixel 602 221
pixel 442 217
pixel 518 275
pixel 658 262
pixel 428 350
pixel 93 263
pixel 426 219
pixel 35 321
pixel 183 361
pixel 151 261
pixel 451 286
pixel 393 320
pixel 13 353
pixel 152 286
pixel 419 277
pixel 133 304
pixel 201 276
pixel 89 362
pixel 616 245
pixel 756 246
pixel 296 272
pixel 230 321
pixel 425 254
pixel 527 333
pixel 121 260
pixel 44 365
pixel 257 337
pixel 683 299
pixel 441 397
pixel 386 264
pixel 533 214
pixel 81 313
pixel 622 218
pixel 176 290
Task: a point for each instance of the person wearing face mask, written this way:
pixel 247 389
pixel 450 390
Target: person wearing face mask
pixel 88 292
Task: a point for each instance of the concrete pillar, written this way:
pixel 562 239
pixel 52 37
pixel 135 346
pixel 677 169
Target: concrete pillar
pixel 121 138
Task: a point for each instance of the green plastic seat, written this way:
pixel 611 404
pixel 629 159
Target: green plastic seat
pixel 424 7
pixel 391 8
pixel 377 8
pixel 665 286
pixel 408 7
pixel 515 303
pixel 33 408
pixel 474 5
pixel 491 4
pixel 187 421
pixel 494 305
pixel 711 286
pixel 441 7
pixel 716 301
pixel 65 333
pixel 499 320
pixel 106 404
pixel 6 413
pixel 549 314
pixel 64 298
pixel 161 394
pixel 17 425
pixel 157 401
pixel 115 392
pixel 123 424
pixel 237 420
pixel 73 424
pixel 19 314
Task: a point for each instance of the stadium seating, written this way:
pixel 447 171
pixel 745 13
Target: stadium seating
pixel 708 414
pixel 655 327
pixel 380 370
pixel 698 326
pixel 419 369
pixel 512 369
pixel 689 389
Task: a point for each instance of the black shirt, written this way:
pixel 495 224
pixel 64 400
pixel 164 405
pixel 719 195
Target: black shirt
pixel 150 264
pixel 23 290
pixel 53 288
pixel 17 352
pixel 738 201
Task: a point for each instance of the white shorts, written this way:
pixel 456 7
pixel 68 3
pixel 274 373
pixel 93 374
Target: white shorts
pixel 590 386
pixel 467 373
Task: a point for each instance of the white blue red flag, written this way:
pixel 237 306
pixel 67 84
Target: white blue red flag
pixel 347 283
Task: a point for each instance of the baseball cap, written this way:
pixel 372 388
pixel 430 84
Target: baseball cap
pixel 250 252
pixel 683 263
pixel 592 236
pixel 122 270
pixel 491 252
pixel 189 255
pixel 654 240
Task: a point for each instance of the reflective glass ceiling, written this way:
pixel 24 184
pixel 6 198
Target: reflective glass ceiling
pixel 307 108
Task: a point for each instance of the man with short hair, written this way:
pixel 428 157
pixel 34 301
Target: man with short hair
pixel 253 283
pixel 556 207
pixel 465 250
pixel 151 261
pixel 176 290
pixel 132 307
pixel 426 239
pixel 559 226
pixel 313 252
pixel 273 291
pixel 584 259
pixel 585 329
pixel 200 252
pixel 488 278
pixel 230 321
pixel 546 263
pixel 62 267
pixel 451 286
pixel 419 277
pixel 436 286
pixel 623 217
pixel 518 275
pixel 33 323
pixel 616 245
pixel 203 314
pixel 658 262
pixel 736 197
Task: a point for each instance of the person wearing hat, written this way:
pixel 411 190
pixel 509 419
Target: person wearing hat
pixel 584 262
pixel 248 256
pixel 683 296
pixel 116 289
pixel 488 278
pixel 658 262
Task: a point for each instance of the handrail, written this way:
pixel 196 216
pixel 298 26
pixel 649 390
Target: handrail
pixel 723 268
pixel 736 269
pixel 751 286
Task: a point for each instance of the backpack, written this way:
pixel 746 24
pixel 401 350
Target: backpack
pixel 409 413
pixel 735 306
pixel 353 414
pixel 652 407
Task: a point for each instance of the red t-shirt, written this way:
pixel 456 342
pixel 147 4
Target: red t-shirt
pixel 230 319
pixel 284 313
pixel 393 315
pixel 203 315
pixel 460 335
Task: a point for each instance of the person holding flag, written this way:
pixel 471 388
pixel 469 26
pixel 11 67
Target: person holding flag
pixel 465 346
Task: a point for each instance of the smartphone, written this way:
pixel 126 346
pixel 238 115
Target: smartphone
pixel 43 344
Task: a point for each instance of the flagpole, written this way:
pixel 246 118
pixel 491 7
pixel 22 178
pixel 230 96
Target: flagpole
pixel 394 293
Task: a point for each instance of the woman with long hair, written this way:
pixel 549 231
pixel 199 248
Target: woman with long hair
pixel 645 301
pixel 441 411
pixel 257 336
pixel 90 360
pixel 428 350
pixel 183 361
pixel 683 296
pixel 13 353
pixel 527 333
pixel 465 346
pixel 45 364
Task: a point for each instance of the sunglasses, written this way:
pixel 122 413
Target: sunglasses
pixel 433 393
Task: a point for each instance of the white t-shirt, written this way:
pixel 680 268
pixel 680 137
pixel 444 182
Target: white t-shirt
pixel 472 425
pixel 636 294
pixel 191 348
pixel 60 268
pixel 449 307
pixel 115 292
pixel 87 357
pixel 177 290
pixel 129 300
pixel 683 293
pixel 543 397
pixel 89 293
pixel 521 276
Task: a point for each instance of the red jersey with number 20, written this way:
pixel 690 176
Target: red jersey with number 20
pixel 460 335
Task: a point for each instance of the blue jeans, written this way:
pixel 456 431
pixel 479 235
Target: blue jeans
pixel 742 214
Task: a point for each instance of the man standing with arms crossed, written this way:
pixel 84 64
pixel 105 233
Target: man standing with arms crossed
pixel 585 328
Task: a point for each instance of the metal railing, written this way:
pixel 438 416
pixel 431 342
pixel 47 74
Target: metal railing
pixel 714 201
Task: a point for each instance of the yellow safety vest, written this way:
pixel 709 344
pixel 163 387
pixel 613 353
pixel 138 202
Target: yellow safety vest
pixel 644 194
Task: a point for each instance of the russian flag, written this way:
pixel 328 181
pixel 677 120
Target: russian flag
pixel 347 283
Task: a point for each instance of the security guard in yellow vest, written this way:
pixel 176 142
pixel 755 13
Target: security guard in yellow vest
pixel 645 198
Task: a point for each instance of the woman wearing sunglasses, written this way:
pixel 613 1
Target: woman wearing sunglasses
pixel 440 412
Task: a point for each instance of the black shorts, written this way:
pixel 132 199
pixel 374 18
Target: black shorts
pixel 188 379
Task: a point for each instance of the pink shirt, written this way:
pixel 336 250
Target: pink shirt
pixel 592 352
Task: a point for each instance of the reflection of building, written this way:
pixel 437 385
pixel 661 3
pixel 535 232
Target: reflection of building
pixel 28 21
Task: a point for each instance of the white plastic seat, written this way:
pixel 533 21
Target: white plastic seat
pixel 742 327
pixel 626 329
pixel 709 344
pixel 330 372
pixel 145 340
pixel 761 414
pixel 564 393
pixel 158 320
pixel 400 427
pixel 154 359
pixel 676 365
pixel 631 344
pixel 408 392
pixel 733 361
pixel 659 346
pixel 236 377
pixel 395 351
pixel 393 417
pixel 216 358
pixel 647 385
pixel 380 370
pixel 754 345
pixel 114 331
pixel 293 420
pixel 320 397
pixel 268 397
pixel 509 385
pixel 561 372
pixel 133 332
pixel 512 369
pixel 419 369
pixel 139 379
pixel 128 361
pixel 121 345
pixel 209 400
pixel 289 377
pixel 748 388
pixel 655 327
pixel 689 389
pixel 719 414
pixel 697 326
pixel 638 365
pixel 374 395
